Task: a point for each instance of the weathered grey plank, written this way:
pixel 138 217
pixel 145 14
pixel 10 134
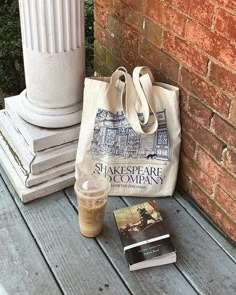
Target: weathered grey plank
pixel 205 265
pixel 159 280
pixel 22 267
pixel 78 263
pixel 228 247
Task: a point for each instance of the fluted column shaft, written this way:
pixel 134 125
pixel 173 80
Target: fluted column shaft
pixel 53 48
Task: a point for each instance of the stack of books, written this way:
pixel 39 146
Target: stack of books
pixel 38 161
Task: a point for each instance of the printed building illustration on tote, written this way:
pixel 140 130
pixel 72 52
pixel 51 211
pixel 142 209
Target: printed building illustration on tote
pixel 114 136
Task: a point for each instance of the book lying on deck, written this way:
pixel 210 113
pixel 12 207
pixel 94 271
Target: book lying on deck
pixel 144 236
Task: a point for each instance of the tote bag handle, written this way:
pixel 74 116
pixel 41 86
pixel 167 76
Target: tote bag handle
pixel 143 80
pixel 143 100
pixel 128 98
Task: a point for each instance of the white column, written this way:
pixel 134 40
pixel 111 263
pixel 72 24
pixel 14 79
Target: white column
pixel 54 59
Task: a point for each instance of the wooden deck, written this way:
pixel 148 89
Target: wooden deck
pixel 42 251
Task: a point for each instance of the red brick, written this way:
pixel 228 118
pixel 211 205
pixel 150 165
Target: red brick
pixel 164 77
pixel 122 40
pixel 114 35
pixel 105 3
pixel 166 16
pixel 216 172
pixel 224 223
pixel 229 158
pixel 152 32
pixel 129 46
pixel 192 169
pixel 206 139
pixel 159 59
pixel 202 199
pixel 220 218
pixel 119 10
pixel 226 202
pixel 188 145
pixel 215 45
pixel 228 226
pixel 233 113
pixel 182 5
pixel 223 79
pixel 200 112
pixel 231 4
pixel 183 99
pixel 197 9
pixel 226 24
pixel 100 14
pixel 220 2
pixel 224 130
pixel 183 182
pixel 203 90
pixel 100 33
pixel 127 15
pixel 184 52
pixel 134 19
pixel 113 44
pixel 113 62
pixel 101 69
pixel 100 51
pixel 137 5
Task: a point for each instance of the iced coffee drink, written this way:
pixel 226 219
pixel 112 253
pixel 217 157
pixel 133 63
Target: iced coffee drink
pixel 92 192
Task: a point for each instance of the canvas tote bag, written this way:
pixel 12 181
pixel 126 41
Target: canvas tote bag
pixel 130 133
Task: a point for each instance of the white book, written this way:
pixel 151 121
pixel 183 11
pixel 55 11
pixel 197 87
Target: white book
pixel 28 178
pixel 36 137
pixel 30 162
pixel 38 191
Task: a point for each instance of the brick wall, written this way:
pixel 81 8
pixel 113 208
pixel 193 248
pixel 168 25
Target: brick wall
pixel 192 44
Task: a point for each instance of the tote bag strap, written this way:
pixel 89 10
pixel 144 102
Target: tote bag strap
pixel 128 98
pixel 137 73
pixel 143 82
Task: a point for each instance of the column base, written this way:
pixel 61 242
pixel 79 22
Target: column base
pixel 37 161
pixel 49 118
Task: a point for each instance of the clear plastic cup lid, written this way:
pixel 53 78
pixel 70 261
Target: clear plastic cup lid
pixel 92 184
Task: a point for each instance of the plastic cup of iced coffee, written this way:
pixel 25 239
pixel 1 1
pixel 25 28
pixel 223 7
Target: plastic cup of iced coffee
pixel 92 192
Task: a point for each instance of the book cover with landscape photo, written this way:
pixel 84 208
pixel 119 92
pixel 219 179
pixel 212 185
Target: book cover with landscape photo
pixel 144 236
